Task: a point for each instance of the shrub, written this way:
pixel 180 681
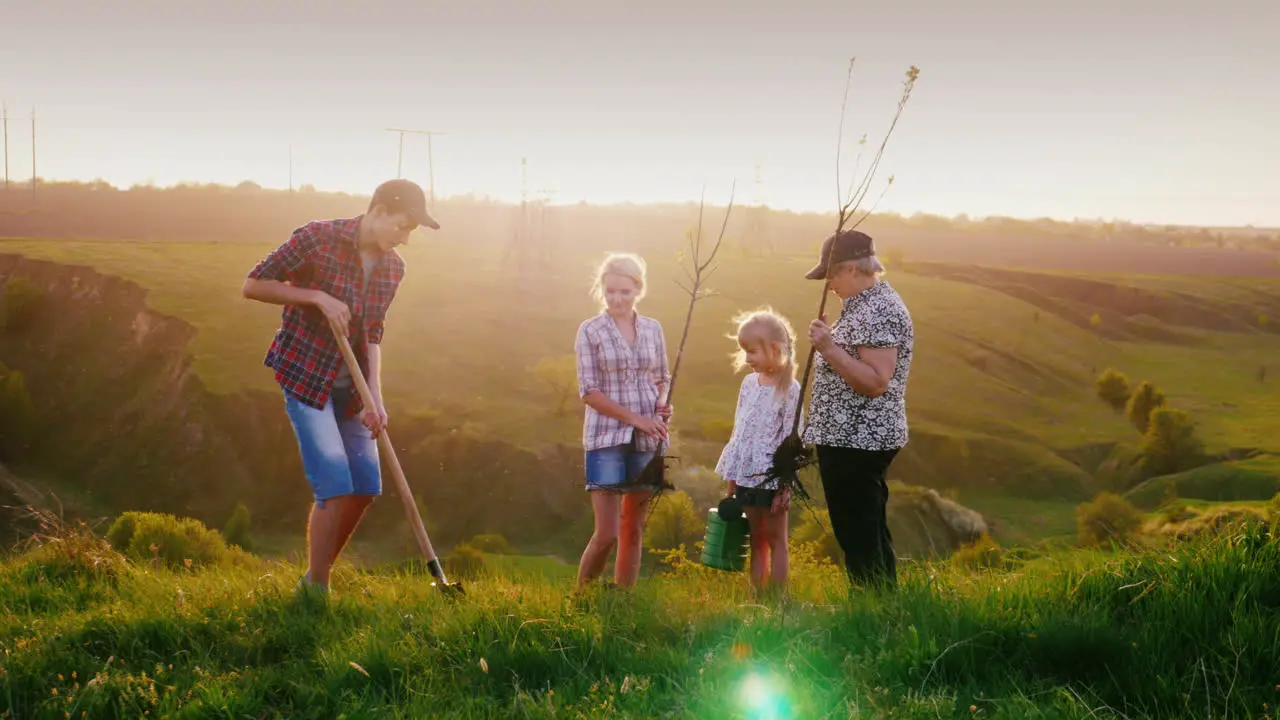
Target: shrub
pixel 673 523
pixel 466 561
pixel 1215 521
pixel 22 303
pixel 981 553
pixel 1108 518
pixel 172 541
pixel 1170 444
pixel 61 552
pixel 1172 509
pixel 894 257
pixel 1142 402
pixel 236 531
pixel 1177 512
pixel 817 533
pixel 492 543
pixel 1113 389
pixel 560 375
pixel 17 415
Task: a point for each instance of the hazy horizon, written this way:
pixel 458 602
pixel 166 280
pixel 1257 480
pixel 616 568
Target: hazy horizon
pixel 1136 111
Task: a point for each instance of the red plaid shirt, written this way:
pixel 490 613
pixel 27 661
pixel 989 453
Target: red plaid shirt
pixel 323 255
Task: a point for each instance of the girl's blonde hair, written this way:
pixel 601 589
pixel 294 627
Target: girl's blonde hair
pixel 770 327
pixel 628 265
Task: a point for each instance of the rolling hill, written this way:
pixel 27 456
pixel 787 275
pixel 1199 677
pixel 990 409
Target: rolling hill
pixel 1001 396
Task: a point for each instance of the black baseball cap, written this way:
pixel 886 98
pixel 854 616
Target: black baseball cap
pixel 404 196
pixel 841 247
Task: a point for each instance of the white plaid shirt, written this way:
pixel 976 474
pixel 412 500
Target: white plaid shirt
pixel 627 375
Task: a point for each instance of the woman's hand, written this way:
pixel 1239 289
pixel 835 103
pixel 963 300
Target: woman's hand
pixel 665 412
pixel 820 335
pixel 653 427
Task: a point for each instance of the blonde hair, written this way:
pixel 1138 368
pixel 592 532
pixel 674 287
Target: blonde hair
pixel 628 265
pixel 767 326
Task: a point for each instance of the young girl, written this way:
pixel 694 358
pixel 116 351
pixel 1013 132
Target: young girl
pixel 764 416
pixel 622 369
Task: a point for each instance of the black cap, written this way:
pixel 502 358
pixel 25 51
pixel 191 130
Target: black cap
pixel 848 245
pixel 404 196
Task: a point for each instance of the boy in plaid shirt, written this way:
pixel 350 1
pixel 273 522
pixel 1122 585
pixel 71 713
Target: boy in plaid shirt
pixel 345 272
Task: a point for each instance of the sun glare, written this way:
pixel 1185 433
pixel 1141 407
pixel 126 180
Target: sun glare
pixel 762 697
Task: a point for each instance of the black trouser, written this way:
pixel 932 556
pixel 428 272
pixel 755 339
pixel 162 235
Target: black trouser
pixel 857 494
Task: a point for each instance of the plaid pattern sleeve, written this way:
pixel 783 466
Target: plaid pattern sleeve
pixel 628 375
pixel 584 351
pixel 324 256
pixel 286 262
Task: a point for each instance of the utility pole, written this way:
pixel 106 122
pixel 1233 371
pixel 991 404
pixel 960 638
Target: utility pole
pixel 544 243
pixel 4 112
pixel 33 153
pixel 431 177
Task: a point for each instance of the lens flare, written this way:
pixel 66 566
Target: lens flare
pixel 762 697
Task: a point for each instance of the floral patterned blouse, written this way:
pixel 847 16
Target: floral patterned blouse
pixel 760 423
pixel 840 416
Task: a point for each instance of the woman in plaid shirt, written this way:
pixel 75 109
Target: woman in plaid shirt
pixel 622 368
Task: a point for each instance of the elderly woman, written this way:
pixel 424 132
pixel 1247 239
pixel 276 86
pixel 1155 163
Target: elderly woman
pixel 858 415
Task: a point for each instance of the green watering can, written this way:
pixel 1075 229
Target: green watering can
pixel 726 543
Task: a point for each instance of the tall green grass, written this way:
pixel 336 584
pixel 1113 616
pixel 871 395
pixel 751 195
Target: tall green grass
pixel 1181 631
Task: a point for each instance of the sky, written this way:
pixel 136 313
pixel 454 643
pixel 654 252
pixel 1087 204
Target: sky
pixel 1145 110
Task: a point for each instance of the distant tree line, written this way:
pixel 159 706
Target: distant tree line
pixel 246 211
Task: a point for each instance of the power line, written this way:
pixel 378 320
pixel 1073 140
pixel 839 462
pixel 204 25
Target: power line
pixel 431 177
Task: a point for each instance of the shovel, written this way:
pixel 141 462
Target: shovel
pixel 384 444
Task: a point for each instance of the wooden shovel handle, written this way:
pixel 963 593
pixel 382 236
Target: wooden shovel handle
pixel 384 443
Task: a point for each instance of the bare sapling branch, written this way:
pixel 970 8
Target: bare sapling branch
pixel 858 191
pixel 653 476
pixel 701 270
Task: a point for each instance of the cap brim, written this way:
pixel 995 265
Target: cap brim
pixel 425 220
pixel 819 272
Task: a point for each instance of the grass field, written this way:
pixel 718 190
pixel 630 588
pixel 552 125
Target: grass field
pixel 1171 632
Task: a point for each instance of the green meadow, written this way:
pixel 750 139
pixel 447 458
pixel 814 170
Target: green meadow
pixel 1162 631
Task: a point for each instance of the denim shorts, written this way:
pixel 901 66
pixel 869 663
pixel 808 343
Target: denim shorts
pixel 608 467
pixel 339 454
